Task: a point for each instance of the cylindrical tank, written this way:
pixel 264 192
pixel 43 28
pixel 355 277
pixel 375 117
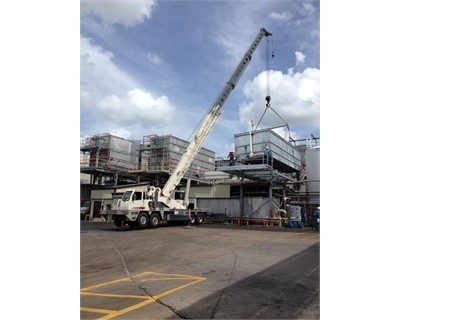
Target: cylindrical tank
pixel 312 164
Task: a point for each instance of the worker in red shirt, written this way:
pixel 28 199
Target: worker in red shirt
pixel 231 156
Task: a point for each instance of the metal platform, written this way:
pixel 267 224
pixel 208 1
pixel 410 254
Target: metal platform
pixel 258 172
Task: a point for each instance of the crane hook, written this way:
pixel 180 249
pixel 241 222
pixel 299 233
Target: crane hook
pixel 268 99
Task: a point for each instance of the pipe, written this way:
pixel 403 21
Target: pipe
pixel 251 154
pixel 302 181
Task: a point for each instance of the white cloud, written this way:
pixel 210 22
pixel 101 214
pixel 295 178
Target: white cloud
pixel 281 16
pixel 294 98
pixel 113 97
pixel 235 36
pixel 153 58
pixel 300 58
pixel 127 13
pixel 136 106
pixel 121 132
pixel 286 133
pixel 307 9
pixel 99 76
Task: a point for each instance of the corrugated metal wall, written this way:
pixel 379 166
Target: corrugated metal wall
pixel 281 149
pixel 312 162
pixel 103 194
pixel 215 191
pixel 231 207
pixel 112 151
pixel 158 153
pixel 165 152
pixel 252 207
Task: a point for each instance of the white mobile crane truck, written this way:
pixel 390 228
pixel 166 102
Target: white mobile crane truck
pixel 146 209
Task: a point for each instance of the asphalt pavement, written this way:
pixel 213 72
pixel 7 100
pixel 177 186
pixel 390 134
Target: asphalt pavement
pixel 208 271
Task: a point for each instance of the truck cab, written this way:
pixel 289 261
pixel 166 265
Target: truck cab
pixel 132 202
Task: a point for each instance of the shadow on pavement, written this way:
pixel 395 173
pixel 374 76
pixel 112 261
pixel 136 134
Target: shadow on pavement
pixel 287 290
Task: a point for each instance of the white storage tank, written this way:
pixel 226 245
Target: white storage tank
pixel 312 164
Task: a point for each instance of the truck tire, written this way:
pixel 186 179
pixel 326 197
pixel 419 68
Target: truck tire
pixel 199 218
pixel 118 222
pixel 142 220
pixel 154 220
pixel 192 219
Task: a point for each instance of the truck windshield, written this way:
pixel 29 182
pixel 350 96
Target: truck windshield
pixel 86 204
pixel 127 195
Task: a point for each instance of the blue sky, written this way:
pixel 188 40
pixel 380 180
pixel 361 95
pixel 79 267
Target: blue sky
pixel 155 67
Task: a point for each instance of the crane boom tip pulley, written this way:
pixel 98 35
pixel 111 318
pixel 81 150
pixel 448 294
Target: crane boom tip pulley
pixel 266 32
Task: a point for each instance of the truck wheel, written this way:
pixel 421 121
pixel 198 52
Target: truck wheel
pixel 118 223
pixel 154 220
pixel 199 218
pixel 143 220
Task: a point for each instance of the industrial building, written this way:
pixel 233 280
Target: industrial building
pixel 268 173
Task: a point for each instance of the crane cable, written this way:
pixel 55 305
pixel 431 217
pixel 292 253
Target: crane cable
pixel 268 77
pixel 268 97
pixel 268 70
pixel 268 62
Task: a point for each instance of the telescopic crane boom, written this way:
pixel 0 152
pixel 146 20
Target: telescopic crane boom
pixel 166 194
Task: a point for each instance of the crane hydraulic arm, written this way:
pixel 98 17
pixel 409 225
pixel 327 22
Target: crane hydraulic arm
pixel 165 195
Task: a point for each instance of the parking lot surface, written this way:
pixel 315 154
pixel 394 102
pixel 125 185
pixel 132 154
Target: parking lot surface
pixel 209 271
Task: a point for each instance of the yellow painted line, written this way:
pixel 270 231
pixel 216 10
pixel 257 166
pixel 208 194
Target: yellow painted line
pixel 147 300
pixel 112 295
pixel 150 300
pixel 161 295
pixel 126 310
pixel 171 277
pixel 171 274
pixel 95 310
pixel 105 284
